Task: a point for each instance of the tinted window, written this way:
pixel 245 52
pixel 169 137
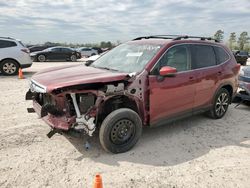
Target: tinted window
pixel 66 50
pixel 86 49
pixel 203 56
pixel 221 55
pixel 6 44
pixel 56 49
pixel 243 53
pixel 177 57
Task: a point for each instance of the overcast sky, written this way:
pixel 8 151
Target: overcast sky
pixel 82 21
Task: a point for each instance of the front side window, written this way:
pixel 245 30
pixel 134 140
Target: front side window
pixel 128 57
pixel 177 57
pixel 203 56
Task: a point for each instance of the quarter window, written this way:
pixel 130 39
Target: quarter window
pixel 221 55
pixel 203 56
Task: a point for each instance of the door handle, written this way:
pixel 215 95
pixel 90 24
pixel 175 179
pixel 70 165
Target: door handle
pixel 191 78
pixel 219 73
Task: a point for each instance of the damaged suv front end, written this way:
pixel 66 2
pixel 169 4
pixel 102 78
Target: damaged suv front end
pixel 80 97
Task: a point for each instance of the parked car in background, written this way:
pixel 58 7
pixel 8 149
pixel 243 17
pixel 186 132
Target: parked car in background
pixel 243 95
pixel 87 52
pixel 99 50
pixel 13 55
pixel 241 57
pixel 56 53
pixel 39 48
pixel 149 81
pixel 91 59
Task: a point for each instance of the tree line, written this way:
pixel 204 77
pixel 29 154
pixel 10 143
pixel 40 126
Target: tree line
pixel 103 44
pixel 235 43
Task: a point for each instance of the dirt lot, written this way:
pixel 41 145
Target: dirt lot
pixel 195 152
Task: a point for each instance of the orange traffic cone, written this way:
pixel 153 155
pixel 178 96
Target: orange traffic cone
pixel 98 181
pixel 20 74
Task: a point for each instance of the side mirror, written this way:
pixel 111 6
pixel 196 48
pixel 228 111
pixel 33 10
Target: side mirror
pixel 168 71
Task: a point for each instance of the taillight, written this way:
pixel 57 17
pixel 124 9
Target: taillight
pixel 26 50
pixel 237 68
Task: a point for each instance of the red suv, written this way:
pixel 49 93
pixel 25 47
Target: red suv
pixel 148 81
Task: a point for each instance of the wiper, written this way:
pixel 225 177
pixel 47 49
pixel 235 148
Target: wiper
pixel 106 68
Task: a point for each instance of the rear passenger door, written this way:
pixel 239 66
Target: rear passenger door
pixel 55 54
pixel 207 73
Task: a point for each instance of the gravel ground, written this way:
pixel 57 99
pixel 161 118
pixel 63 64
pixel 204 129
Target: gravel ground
pixel 195 152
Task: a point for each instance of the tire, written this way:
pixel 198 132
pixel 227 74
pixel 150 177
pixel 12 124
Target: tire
pixel 120 130
pixel 9 67
pixel 41 58
pixel 73 57
pixel 93 54
pixel 220 104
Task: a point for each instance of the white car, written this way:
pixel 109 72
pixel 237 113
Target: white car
pixel 87 52
pixel 13 55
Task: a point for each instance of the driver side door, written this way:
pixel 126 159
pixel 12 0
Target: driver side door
pixel 172 97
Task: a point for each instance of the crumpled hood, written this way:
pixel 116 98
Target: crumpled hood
pixel 64 76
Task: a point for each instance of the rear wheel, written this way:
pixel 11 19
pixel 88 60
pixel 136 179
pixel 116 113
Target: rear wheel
pixel 9 67
pixel 41 58
pixel 220 104
pixel 120 130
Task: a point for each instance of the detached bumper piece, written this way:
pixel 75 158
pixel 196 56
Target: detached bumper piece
pixel 53 132
pixel 29 95
pixel 31 110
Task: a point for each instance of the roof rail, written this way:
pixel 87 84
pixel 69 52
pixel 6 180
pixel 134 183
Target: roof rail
pixel 195 37
pixel 155 37
pixel 176 37
pixel 7 38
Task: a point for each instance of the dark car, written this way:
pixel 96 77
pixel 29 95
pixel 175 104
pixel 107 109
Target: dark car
pixel 243 95
pixel 149 81
pixel 56 53
pixel 241 57
pixel 38 48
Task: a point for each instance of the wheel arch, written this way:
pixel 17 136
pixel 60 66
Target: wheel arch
pixel 117 102
pixel 228 87
pixel 12 60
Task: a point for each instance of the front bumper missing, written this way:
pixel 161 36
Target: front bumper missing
pixel 55 122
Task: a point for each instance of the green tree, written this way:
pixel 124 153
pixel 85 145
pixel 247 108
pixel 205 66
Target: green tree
pixel 243 40
pixel 232 40
pixel 219 35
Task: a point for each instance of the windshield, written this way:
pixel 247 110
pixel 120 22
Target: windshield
pixel 127 57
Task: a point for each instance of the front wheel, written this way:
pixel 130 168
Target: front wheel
pixel 120 130
pixel 73 58
pixel 41 58
pixel 220 104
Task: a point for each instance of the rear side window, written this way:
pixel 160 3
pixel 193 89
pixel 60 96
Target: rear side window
pixel 202 56
pixel 56 49
pixel 221 55
pixel 7 44
pixel 66 50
